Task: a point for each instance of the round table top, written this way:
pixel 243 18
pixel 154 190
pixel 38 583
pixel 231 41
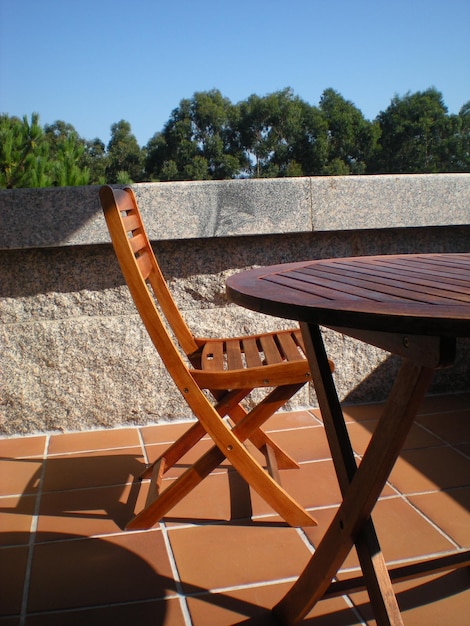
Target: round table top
pixel 425 294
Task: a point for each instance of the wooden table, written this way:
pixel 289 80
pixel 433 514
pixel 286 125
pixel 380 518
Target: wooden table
pixel 414 306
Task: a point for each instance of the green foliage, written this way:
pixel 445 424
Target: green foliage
pixel 199 141
pixel 351 138
pixel 209 138
pixel 23 153
pixel 124 154
pixel 33 157
pixel 417 135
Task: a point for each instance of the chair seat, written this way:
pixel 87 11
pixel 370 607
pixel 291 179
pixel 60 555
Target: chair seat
pixel 264 360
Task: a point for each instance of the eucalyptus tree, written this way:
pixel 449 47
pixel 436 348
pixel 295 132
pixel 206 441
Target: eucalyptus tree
pixel 352 140
pixel 416 134
pixel 282 135
pixel 198 142
pixel 125 158
pixel 459 142
pixel 95 159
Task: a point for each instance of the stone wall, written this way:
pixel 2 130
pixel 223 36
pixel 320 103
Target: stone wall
pixel 74 353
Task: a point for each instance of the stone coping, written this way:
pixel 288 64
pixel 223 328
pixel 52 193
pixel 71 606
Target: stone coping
pixel 71 216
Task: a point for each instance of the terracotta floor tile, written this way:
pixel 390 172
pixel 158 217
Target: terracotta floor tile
pixel 94 469
pixel 313 485
pixel 16 514
pixel 21 447
pixel 449 510
pixel 402 532
pixel 362 412
pixel 443 599
pixel 235 606
pixel 87 572
pixel 12 574
pixel 157 613
pixel 211 557
pixel 361 432
pixel 154 451
pixel 222 496
pixel 444 403
pixel 464 448
pixel 93 440
pixel 10 621
pixel 453 427
pixel 292 419
pixel 304 444
pixel 88 512
pixel 164 433
pixel 430 469
pixel 19 476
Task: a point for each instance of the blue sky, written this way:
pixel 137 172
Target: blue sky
pixel 92 63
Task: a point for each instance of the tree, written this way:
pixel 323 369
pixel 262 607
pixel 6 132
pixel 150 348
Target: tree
pixel 67 172
pixel 198 142
pixel 23 153
pixel 66 152
pixel 416 134
pixel 124 154
pixel 281 134
pixel 459 141
pixel 351 138
pixel 96 160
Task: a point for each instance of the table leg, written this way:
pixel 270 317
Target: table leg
pixel 372 562
pixel 361 487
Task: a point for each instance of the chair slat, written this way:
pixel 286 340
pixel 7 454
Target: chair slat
pixel 234 355
pixel 131 222
pixel 289 347
pixel 300 340
pixel 213 356
pixel 270 349
pixel 137 243
pixel 145 264
pixel 252 356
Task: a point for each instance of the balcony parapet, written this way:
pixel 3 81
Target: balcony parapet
pixel 68 216
pixel 74 353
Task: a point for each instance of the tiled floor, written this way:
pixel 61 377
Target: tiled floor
pixel 65 560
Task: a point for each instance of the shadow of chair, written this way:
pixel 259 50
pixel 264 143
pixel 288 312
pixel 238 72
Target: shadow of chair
pixel 229 369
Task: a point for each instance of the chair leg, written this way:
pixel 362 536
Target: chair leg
pixel 195 433
pixel 259 438
pixel 230 440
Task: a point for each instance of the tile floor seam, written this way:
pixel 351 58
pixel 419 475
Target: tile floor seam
pixel 142 446
pixel 431 522
pixel 292 428
pixel 32 538
pixel 461 452
pixel 55 455
pixel 88 607
pixel 176 576
pixel 421 558
pixel 356 612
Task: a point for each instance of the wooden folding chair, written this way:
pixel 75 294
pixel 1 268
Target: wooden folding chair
pixel 229 368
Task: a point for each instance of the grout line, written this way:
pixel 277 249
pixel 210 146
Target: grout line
pixel 176 577
pixel 76 453
pixel 431 522
pixel 142 446
pixel 32 538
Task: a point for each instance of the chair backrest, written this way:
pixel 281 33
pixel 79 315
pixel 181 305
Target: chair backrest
pixel 140 267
